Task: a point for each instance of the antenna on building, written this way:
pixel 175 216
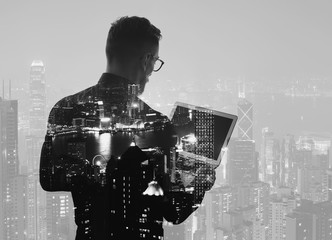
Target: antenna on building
pixel 242 88
pixel 10 89
pixel 3 89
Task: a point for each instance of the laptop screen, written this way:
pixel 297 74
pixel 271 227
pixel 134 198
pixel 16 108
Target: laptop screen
pixel 202 133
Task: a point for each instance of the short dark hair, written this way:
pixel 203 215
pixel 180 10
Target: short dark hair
pixel 128 35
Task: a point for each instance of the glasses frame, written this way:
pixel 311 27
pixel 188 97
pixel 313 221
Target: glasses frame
pixel 157 59
pixel 162 63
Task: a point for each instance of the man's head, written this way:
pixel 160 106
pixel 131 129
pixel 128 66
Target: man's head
pixel 132 49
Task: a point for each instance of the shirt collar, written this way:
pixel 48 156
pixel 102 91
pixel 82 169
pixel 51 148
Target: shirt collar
pixel 112 80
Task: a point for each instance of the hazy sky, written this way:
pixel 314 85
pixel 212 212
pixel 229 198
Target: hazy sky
pixel 202 40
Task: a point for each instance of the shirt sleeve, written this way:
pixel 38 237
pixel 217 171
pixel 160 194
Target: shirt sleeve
pixel 55 165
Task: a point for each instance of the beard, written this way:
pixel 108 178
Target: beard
pixel 142 85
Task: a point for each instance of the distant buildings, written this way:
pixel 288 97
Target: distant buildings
pixel 270 170
pixel 49 214
pixel 245 119
pixel 12 185
pixel 310 221
pixel 242 162
pixel 236 212
pixel 246 208
pixel 37 99
pixel 288 168
pixel 313 161
pixel 242 158
pixel 282 203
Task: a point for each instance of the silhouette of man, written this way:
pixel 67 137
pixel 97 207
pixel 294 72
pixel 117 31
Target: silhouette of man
pixel 112 151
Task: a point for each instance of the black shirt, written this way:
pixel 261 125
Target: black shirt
pixel 106 146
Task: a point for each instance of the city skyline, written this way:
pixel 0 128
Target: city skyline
pixel 268 63
pixel 283 159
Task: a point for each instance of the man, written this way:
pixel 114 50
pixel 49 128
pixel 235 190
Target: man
pixel 110 149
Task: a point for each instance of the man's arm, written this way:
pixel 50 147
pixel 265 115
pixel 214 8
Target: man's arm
pixel 58 170
pixel 51 174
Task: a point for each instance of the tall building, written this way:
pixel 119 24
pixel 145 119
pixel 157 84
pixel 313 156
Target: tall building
pixel 319 148
pixel 288 168
pixel 259 232
pixel 312 156
pixel 323 211
pixel 9 136
pixel 270 158
pixel 36 209
pixel 298 226
pixel 60 210
pixel 12 185
pixel 37 117
pixel 310 221
pixel 329 182
pixel 44 209
pixel 281 204
pixel 242 164
pixel 302 158
pixel 235 228
pixel 210 216
pixel 36 196
pixel 37 99
pixel 313 183
pixel 245 119
pixel 259 197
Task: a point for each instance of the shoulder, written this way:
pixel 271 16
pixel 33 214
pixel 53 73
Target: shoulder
pixel 68 104
pixel 76 98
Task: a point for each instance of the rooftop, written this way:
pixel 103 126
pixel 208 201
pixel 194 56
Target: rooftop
pixel 37 63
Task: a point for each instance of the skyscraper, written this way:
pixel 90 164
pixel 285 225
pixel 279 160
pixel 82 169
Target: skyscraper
pixel 329 182
pixel 298 226
pixel 312 157
pixel 9 136
pixel 313 183
pixel 36 197
pixel 12 185
pixel 259 197
pixel 59 209
pixel 281 204
pixel 270 158
pixel 209 217
pixel 287 165
pixel 242 162
pixel 310 221
pixel 242 165
pixel 44 209
pixel 37 99
pixel 245 122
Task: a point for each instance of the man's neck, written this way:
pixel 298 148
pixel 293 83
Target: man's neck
pixel 119 71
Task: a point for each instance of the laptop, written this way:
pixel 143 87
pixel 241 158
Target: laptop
pixel 202 134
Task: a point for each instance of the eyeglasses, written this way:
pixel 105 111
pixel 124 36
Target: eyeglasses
pixel 157 64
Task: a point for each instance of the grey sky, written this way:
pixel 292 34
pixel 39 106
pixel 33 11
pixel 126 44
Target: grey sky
pixel 202 40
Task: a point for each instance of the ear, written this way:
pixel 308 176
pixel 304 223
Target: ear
pixel 145 61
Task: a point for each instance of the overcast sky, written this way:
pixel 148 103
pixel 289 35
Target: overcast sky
pixel 200 41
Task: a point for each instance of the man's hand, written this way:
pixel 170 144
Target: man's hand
pixel 205 177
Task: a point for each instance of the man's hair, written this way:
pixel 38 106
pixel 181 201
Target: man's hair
pixel 128 35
